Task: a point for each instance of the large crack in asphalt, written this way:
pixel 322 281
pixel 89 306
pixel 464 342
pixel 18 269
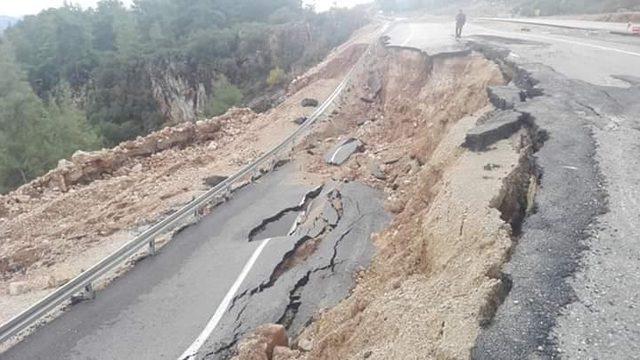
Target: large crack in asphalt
pixel 550 237
pixel 259 230
pixel 329 244
pixel 302 209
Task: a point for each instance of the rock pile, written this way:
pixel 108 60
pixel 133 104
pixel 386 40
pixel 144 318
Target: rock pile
pixel 85 167
pixel 267 342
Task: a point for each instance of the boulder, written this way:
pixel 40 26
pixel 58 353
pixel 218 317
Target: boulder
pixel 64 164
pixel 300 120
pixel 305 345
pixel 18 288
pixel 308 102
pixel 214 180
pixel 80 157
pixel 376 171
pixel 260 344
pixel 284 353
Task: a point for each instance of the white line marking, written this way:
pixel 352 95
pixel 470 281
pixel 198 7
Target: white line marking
pixel 222 308
pixel 333 158
pixel 410 37
pixel 551 38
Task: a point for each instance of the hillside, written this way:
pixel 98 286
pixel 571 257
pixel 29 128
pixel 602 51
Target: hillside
pixel 91 78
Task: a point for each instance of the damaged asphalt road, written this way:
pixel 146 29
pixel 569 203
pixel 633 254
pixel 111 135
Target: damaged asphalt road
pixel 158 308
pixel 315 268
pixel 574 271
pixel 571 283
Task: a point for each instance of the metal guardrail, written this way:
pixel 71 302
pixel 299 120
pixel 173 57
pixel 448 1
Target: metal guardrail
pixel 84 281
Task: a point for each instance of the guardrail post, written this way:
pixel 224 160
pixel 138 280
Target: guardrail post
pixel 89 292
pixel 152 247
pixel 257 174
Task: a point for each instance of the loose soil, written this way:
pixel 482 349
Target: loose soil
pixel 436 276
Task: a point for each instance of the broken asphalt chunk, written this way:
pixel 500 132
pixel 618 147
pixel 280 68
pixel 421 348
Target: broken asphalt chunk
pixel 343 150
pixel 506 97
pixel 501 126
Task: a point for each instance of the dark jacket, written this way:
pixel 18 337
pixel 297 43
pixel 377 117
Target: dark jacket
pixel 461 19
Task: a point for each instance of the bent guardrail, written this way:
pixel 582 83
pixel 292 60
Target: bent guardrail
pixel 84 282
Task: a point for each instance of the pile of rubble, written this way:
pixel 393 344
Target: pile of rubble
pixel 85 167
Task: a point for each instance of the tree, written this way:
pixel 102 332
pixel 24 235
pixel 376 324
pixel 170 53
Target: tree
pixel 33 135
pixel 122 70
pixel 225 95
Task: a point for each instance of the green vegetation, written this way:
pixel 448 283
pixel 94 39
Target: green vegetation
pixel 276 77
pixel 34 135
pixel 73 76
pixel 225 95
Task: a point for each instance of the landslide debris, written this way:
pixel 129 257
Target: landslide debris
pixel 261 344
pixel 435 278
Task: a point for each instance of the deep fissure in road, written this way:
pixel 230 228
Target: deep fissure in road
pixel 280 223
pixel 403 107
pixel 549 247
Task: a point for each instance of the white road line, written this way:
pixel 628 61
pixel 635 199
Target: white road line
pixel 333 157
pixel 222 308
pixel 551 38
pixel 412 32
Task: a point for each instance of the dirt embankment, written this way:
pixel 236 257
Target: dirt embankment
pixel 85 209
pixel 436 276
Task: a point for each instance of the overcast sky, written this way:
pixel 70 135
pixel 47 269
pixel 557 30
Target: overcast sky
pixel 27 7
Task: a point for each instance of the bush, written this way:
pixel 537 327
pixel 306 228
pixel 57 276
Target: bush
pixel 225 95
pixel 276 77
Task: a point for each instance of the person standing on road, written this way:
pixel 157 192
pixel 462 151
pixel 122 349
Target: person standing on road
pixel 461 19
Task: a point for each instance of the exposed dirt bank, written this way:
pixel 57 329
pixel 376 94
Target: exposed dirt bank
pixel 436 276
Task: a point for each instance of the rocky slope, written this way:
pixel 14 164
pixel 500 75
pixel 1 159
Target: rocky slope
pixel 436 276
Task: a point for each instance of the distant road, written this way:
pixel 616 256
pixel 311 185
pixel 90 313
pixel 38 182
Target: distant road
pixel 568 23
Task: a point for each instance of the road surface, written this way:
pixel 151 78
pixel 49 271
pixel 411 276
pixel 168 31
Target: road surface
pixel 567 23
pixel 575 270
pixel 168 305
